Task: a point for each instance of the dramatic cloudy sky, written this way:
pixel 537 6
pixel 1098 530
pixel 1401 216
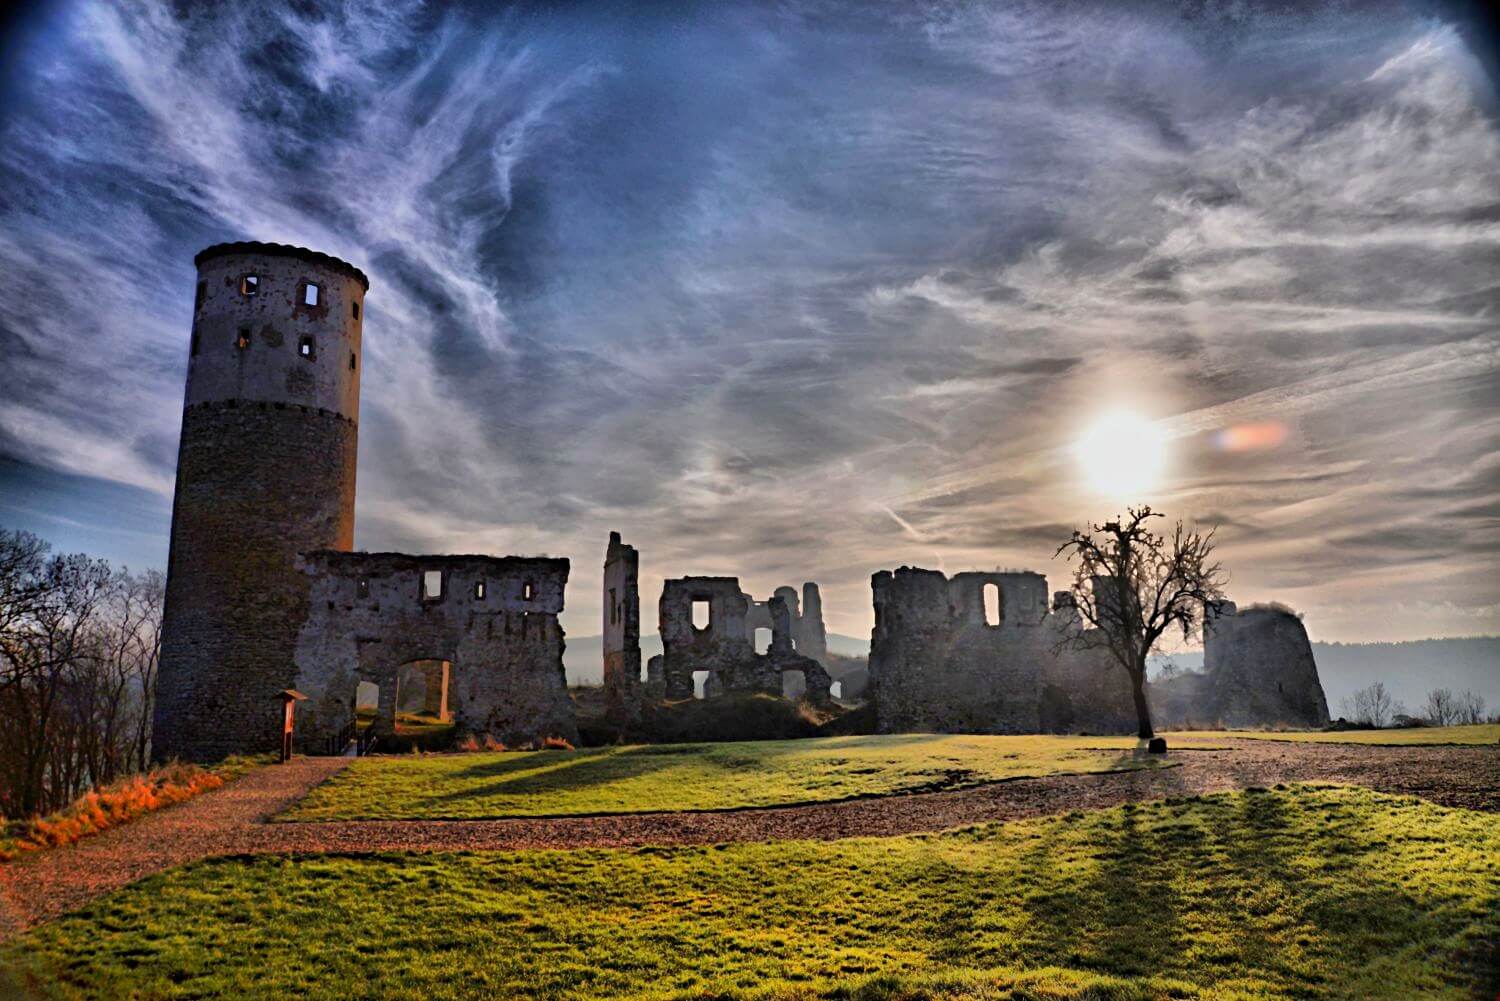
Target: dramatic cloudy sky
pixel 799 290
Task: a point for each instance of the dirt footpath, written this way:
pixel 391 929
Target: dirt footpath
pixel 233 820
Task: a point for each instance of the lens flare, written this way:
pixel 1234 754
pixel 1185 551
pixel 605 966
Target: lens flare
pixel 1249 437
pixel 1123 455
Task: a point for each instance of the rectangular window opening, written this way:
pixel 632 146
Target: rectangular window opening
pixel 526 591
pixel 309 294
pixel 305 348
pixel 432 584
pixel 354 307
pixel 351 361
pixel 993 607
pixel 242 341
pixel 479 591
pixel 702 613
pixel 249 284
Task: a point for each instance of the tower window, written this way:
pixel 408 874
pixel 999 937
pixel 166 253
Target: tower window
pixel 305 348
pixel 526 590
pixel 432 585
pixel 479 591
pixel 351 361
pixel 309 294
pixel 243 340
pixel 354 306
pixel 362 587
pixel 249 284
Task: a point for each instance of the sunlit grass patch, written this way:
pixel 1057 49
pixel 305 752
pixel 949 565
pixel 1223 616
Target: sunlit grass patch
pixel 1306 891
pixel 652 778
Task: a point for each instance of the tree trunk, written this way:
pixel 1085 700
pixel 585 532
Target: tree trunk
pixel 1142 710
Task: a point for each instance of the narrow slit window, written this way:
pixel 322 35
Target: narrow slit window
pixel 242 340
pixel 351 361
pixel 993 610
pixel 479 591
pixel 249 284
pixel 305 348
pixel 701 613
pixel 354 308
pixel 309 294
pixel 432 584
pixel 526 591
pixel 362 587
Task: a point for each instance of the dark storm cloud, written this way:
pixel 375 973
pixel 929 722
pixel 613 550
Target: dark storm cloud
pixel 806 290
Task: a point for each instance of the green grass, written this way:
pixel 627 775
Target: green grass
pixel 1306 892
pixel 653 778
pixel 1483 733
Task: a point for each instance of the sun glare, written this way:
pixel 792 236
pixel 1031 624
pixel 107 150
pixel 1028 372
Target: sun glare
pixel 1123 455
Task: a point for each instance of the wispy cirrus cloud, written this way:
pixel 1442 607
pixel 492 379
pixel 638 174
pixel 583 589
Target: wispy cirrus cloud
pixel 804 291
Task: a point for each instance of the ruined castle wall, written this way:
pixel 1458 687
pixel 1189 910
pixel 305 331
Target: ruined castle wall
pixel 937 665
pixel 622 629
pixel 1260 669
pixel 368 615
pixel 266 467
pixel 811 637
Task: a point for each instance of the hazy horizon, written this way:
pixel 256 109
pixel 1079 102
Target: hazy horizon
pixel 798 292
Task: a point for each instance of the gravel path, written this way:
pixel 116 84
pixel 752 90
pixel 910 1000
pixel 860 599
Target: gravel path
pixel 233 820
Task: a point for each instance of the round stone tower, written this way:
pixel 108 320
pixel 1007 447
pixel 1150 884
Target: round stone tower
pixel 265 471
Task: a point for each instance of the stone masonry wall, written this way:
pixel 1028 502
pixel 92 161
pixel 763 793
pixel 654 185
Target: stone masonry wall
pixel 368 616
pixel 622 629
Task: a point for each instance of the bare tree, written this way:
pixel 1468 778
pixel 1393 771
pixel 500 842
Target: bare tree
pixel 1131 585
pixel 1470 708
pixel 1371 706
pixel 1441 708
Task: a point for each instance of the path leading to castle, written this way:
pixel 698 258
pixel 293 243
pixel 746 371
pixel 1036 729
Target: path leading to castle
pixel 237 818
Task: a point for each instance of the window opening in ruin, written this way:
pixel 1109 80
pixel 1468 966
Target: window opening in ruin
pixel 351 361
pixel 432 585
pixel 702 613
pixel 614 607
pixel 305 347
pixel 366 704
pixel 526 591
pixel 762 639
pixel 199 296
pixel 243 340
pixel 423 700
pixel 362 587
pixel 479 590
pixel 309 294
pixel 992 606
pixel 354 307
pixel 249 284
pixel 793 684
pixel 700 684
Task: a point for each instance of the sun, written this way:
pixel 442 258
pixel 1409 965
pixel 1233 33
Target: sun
pixel 1123 455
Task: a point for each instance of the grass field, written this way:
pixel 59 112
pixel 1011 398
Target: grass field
pixel 1307 892
pixel 647 778
pixel 1483 733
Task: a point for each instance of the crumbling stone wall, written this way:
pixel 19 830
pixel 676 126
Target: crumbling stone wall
pixel 622 630
pixel 265 471
pixel 936 664
pixel 369 615
pixel 724 647
pixel 808 635
pixel 1259 670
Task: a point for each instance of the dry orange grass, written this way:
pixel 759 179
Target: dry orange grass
pixel 110 806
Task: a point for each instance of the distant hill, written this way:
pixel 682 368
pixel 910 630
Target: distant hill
pixel 1409 670
pixel 584 657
